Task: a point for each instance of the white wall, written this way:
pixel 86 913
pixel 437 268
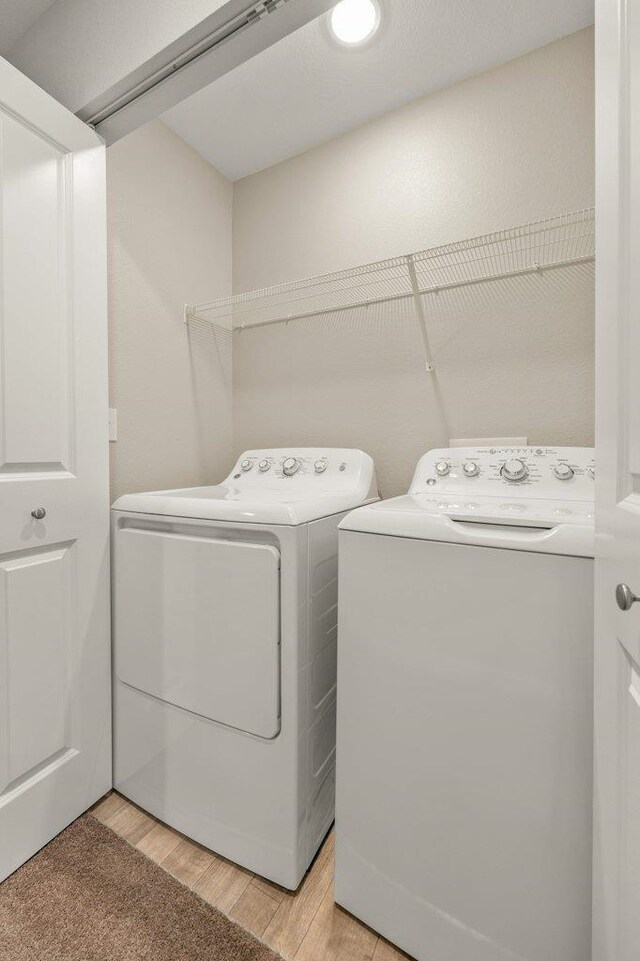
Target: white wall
pixel 169 241
pixel 511 145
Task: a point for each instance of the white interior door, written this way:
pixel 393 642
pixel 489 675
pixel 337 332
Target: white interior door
pixel 55 736
pixel 617 647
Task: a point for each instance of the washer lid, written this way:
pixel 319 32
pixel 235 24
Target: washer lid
pixel 463 497
pixel 278 487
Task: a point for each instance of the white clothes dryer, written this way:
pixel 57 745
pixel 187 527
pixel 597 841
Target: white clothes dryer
pixel 464 778
pixel 225 602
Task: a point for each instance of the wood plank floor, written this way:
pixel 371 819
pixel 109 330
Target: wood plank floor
pixel 304 925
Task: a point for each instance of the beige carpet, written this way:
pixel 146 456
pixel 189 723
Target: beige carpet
pixel 89 896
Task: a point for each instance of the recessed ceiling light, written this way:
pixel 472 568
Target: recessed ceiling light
pixel 353 22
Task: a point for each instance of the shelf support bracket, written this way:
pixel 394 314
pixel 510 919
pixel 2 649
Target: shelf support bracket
pixel 420 315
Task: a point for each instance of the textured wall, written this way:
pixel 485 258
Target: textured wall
pixel 515 358
pixel 169 241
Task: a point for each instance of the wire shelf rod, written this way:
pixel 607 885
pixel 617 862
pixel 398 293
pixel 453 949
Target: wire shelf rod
pixel 542 245
pixel 501 247
pixel 436 288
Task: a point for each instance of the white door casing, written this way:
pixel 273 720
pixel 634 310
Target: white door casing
pixel 55 726
pixel 617 640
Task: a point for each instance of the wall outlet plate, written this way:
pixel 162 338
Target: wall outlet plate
pixel 488 442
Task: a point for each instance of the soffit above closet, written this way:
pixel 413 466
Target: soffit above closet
pixel 307 89
pixel 16 16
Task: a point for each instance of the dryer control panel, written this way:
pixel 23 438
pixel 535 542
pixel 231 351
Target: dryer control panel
pixel 556 473
pixel 308 470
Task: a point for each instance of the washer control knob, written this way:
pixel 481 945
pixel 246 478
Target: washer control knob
pixel 442 468
pixel 246 464
pixel 320 466
pixel 470 469
pixel 290 466
pixel 514 469
pixel 591 471
pixel 264 465
pixel 563 471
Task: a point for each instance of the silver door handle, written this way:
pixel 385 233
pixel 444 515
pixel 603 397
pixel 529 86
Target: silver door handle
pixel 38 513
pixel 625 598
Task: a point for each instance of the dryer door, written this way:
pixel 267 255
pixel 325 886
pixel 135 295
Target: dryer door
pixel 197 624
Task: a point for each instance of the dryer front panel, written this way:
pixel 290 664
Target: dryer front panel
pixel 197 624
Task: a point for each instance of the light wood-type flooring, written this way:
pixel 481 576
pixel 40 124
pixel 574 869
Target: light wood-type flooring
pixel 304 925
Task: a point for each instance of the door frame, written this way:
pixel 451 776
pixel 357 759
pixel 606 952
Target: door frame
pixel 615 877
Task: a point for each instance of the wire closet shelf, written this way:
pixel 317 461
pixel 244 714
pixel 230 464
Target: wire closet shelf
pixel 541 245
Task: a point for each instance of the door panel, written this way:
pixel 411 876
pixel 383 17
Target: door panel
pixel 35 309
pixel 631 727
pixel 55 735
pixel 198 625
pixel 34 645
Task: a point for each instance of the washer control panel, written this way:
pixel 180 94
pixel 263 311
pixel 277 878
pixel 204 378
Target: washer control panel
pixel 308 469
pixel 549 472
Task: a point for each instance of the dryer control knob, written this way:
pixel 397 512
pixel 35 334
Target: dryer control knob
pixel 246 464
pixel 514 470
pixel 320 466
pixel 591 471
pixel 290 466
pixel 442 468
pixel 470 468
pixel 563 471
pixel 264 465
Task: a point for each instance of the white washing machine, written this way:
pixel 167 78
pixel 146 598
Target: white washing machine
pixel 225 653
pixel 464 778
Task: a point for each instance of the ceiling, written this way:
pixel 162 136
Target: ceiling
pixel 307 89
pixel 16 16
